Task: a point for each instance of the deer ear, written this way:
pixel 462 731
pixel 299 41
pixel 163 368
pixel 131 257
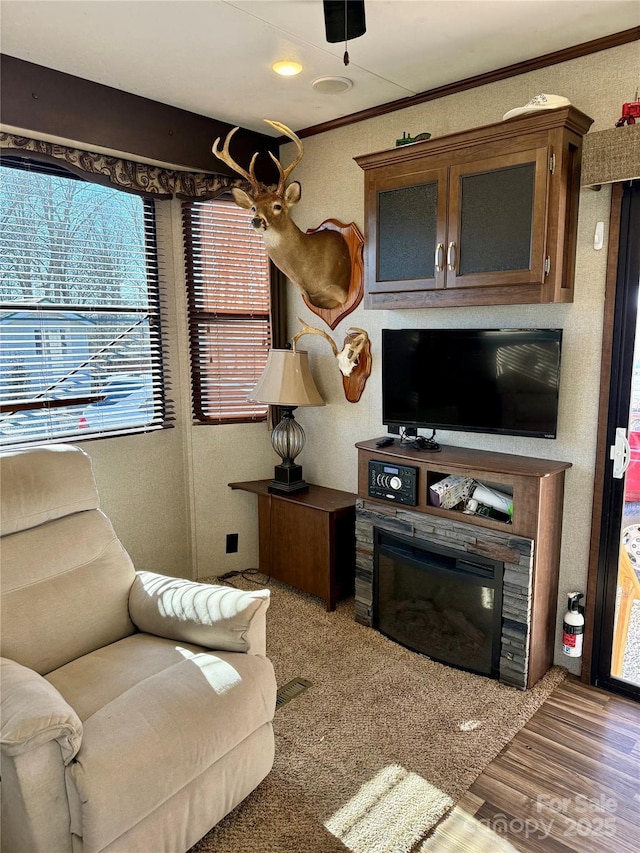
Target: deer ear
pixel 241 198
pixel 293 193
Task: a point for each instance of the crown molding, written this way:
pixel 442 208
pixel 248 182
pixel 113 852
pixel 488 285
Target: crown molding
pixel 564 55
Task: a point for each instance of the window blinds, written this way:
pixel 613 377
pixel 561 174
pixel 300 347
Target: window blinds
pixel 80 345
pixel 227 274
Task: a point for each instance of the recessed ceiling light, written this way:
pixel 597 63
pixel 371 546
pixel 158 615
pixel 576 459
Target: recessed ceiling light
pixel 332 85
pixel 287 68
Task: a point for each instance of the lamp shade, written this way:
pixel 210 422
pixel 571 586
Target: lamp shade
pixel 287 380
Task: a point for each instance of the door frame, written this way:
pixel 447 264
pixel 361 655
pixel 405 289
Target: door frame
pixel 596 581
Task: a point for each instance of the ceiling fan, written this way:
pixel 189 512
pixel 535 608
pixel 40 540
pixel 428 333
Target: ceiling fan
pixel 344 20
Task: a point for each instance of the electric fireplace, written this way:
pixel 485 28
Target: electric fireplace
pixel 440 602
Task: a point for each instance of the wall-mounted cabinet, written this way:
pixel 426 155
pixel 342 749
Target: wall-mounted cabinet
pixel 484 217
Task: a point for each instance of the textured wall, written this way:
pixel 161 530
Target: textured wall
pixel 333 187
pixel 167 492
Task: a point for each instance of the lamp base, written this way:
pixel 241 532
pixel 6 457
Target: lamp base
pixel 287 479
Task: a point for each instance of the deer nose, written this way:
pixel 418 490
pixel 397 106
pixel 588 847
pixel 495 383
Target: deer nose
pixel 257 222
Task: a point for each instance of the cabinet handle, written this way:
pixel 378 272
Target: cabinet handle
pixel 451 256
pixel 439 254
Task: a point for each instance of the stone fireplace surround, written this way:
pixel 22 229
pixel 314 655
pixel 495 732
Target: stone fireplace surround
pixel 516 552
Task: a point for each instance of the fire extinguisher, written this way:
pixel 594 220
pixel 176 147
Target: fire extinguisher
pixel 573 626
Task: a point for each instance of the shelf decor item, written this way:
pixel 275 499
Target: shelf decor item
pixel 287 382
pixel 630 112
pixel 407 139
pixel 537 104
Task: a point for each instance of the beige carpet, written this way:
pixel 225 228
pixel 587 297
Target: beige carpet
pixel 371 756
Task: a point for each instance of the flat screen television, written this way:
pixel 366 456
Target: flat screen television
pixel 501 381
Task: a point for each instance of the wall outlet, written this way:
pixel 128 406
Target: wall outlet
pixel 232 543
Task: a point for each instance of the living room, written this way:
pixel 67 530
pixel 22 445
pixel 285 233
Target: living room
pixel 167 491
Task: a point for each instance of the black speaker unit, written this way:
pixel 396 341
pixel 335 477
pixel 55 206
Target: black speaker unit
pixel 396 483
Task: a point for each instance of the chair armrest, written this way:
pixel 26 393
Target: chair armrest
pixel 217 617
pixel 32 712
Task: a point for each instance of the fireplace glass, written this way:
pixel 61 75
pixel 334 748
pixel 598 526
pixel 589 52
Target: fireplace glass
pixel 443 603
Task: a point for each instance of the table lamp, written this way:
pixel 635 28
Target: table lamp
pixel 287 382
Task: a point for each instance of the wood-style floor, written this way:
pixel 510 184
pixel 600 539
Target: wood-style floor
pixel 569 781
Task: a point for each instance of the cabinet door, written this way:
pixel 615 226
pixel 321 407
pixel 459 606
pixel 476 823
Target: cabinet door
pixel 406 223
pixel 497 219
pixel 300 543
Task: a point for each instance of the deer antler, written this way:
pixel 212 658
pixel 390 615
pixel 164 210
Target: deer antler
pixel 358 332
pixel 311 330
pixel 354 360
pixel 224 155
pixel 284 173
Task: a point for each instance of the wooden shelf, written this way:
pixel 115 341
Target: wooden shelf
pixel 526 477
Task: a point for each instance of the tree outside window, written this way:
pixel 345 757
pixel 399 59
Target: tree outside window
pixel 79 308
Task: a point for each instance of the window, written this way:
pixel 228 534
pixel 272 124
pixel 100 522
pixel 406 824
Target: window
pixel 79 308
pixel 227 271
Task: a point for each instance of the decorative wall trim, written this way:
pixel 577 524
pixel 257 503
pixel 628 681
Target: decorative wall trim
pixel 148 181
pixel 565 55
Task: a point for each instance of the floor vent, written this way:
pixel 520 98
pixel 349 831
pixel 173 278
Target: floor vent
pixel 290 690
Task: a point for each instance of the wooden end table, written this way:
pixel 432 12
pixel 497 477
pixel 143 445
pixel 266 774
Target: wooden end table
pixel 307 539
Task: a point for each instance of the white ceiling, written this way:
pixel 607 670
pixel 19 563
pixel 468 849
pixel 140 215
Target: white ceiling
pixel 214 57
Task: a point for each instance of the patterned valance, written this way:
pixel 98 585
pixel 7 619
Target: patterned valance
pixel 611 156
pixel 149 181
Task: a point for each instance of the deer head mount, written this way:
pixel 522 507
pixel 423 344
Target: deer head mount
pixel 318 263
pixel 354 359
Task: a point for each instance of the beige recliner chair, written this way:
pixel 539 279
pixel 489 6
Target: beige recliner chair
pixel 136 708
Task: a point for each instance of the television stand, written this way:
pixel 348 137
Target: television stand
pixel 537 486
pixel 532 481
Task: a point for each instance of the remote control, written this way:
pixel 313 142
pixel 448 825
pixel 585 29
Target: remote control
pixel 384 442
